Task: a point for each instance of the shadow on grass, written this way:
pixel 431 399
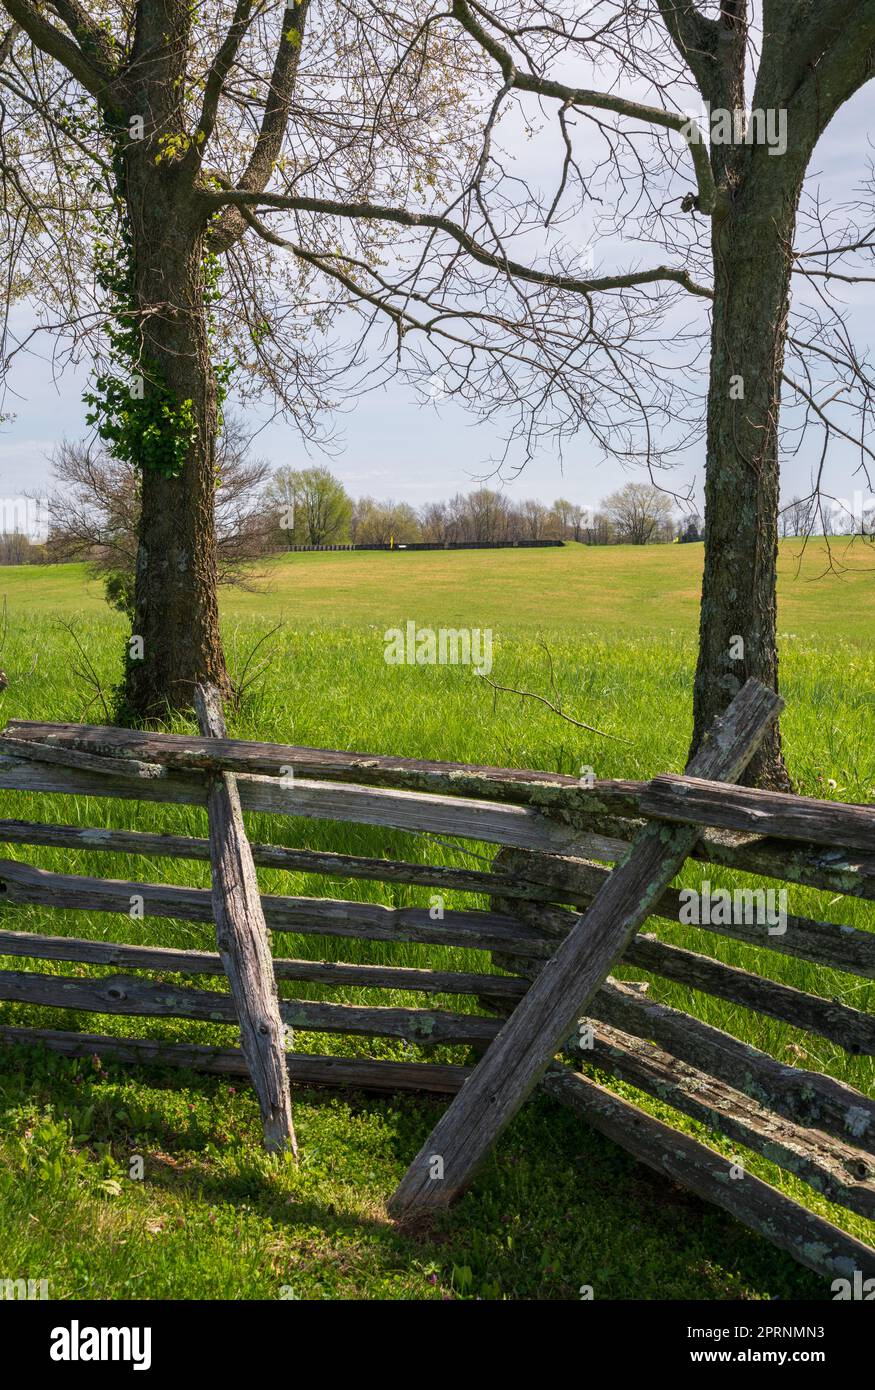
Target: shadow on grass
pixel 557 1209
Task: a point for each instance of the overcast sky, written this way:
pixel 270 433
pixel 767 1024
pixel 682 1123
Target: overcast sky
pixel 391 445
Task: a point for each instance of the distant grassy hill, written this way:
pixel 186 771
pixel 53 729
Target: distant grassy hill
pixel 623 589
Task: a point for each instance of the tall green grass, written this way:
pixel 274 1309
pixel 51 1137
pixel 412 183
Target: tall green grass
pixel 550 1188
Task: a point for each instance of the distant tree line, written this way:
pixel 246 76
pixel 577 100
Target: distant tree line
pixel 311 507
pixel 93 513
pixel 816 515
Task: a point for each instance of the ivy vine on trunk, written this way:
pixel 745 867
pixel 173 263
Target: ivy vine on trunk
pixel 157 405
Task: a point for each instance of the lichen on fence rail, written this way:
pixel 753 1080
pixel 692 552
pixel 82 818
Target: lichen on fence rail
pixel 558 841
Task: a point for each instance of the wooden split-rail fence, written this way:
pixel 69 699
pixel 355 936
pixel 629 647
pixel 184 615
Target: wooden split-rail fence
pixel 558 919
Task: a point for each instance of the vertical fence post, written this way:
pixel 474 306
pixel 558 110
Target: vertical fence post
pixel 243 942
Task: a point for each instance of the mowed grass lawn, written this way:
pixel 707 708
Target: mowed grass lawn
pixel 557 1207
pixel 577 588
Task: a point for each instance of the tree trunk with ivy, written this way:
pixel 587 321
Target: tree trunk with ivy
pixel 198 101
pixel 175 642
pixel 165 391
pixel 161 402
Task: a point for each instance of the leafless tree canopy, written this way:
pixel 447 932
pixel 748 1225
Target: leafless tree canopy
pixel 638 512
pixel 94 509
pixel 375 178
pixel 510 203
pixel 392 196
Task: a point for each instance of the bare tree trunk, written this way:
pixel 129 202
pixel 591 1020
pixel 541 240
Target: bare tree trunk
pixel 175 599
pixel 738 627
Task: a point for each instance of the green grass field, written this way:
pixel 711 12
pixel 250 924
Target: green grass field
pixel 605 589
pixel 557 1207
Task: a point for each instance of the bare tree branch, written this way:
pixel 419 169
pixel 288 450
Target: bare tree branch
pixel 92 39
pixel 494 260
pixel 709 196
pixel 54 42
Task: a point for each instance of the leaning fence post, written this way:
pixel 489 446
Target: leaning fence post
pixel 243 941
pixel 544 1019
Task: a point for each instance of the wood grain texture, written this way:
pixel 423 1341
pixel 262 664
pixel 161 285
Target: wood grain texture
pixel 698 801
pixel 546 790
pixel 137 998
pixel 539 878
pixel 813 1241
pixel 849 1028
pixel 244 944
pixel 485 931
pixel 847 871
pixel 458 817
pixel 807 1097
pixel 576 881
pixel 834 870
pixel 326 972
pixel 838 1171
pixel 60 756
pixel 544 1019
pixel 182 752
pixel 297 861
pixel 834 1168
pixel 832 1019
pixel 308 1069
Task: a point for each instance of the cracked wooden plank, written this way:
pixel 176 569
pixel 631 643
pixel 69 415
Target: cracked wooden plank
pixel 325 972
pixel 598 814
pixel 698 801
pixel 244 944
pixel 807 1097
pixel 458 817
pixel 576 881
pixel 110 840
pixel 137 998
pixel 810 1239
pixel 483 931
pixel 546 1015
pixel 834 1168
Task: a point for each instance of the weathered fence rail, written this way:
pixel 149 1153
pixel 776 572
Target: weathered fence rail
pixel 557 842
pixel 620 802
